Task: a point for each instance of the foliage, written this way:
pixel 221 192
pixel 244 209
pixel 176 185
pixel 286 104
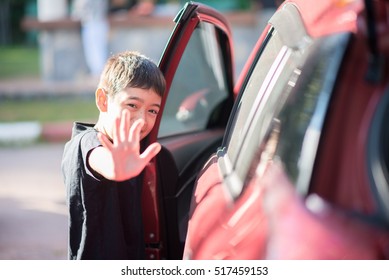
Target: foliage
pixel 13 12
pixel 19 61
pixel 47 110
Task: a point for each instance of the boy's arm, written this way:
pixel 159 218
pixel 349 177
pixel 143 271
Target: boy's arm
pixel 120 160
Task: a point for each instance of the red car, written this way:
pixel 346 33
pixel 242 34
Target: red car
pixel 289 162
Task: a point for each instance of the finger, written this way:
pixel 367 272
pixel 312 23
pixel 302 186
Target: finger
pixel 105 141
pixel 116 131
pixel 151 152
pixel 134 135
pixel 124 125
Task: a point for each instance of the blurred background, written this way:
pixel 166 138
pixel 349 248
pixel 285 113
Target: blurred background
pixel 48 74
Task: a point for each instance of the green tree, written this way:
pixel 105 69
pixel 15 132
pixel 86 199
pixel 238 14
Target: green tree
pixel 12 13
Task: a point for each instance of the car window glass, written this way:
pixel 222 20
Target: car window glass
pixel 295 111
pixel 378 154
pixel 262 116
pixel 252 93
pixel 199 84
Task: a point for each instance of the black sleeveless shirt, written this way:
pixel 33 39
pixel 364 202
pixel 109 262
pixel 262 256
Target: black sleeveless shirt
pixel 105 219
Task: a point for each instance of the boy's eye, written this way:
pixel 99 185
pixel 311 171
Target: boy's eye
pixel 155 112
pixel 132 105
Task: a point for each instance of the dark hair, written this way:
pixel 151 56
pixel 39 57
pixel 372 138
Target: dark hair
pixel 131 69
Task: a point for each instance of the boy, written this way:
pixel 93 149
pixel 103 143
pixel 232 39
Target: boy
pixel 101 162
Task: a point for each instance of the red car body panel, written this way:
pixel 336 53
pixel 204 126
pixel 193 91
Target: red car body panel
pixel 270 220
pixel 228 231
pixel 298 230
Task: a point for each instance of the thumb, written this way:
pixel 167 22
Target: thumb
pixel 151 152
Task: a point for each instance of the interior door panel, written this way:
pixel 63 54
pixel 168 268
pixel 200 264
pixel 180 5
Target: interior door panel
pixel 190 153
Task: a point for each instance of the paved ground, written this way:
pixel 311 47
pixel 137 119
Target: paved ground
pixel 33 215
pixel 33 219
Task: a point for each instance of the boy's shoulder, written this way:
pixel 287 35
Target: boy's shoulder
pixel 79 129
pixel 84 138
pixel 83 134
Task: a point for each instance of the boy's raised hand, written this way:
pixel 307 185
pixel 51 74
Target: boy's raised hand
pixel 121 159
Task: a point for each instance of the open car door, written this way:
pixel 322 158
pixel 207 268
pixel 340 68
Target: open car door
pixel 198 67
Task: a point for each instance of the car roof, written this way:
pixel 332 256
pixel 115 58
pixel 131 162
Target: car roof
pixel 328 16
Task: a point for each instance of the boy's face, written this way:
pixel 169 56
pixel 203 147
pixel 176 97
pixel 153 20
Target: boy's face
pixel 142 104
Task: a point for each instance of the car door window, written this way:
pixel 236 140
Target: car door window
pixel 282 108
pixel 295 111
pixel 264 70
pixel 199 85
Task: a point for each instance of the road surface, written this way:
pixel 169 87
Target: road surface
pixel 33 217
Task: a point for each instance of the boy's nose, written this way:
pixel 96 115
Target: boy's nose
pixel 142 115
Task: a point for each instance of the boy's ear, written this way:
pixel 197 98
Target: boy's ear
pixel 101 100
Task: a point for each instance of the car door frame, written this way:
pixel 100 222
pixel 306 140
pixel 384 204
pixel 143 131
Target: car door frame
pixel 161 228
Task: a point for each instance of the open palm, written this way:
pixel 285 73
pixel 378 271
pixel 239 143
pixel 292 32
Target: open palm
pixel 124 160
